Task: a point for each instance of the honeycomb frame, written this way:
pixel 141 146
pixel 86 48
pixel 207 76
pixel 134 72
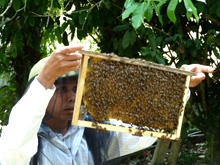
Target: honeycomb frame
pixel 175 135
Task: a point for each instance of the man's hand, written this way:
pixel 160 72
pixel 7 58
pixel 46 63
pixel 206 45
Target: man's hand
pixel 199 69
pixel 60 62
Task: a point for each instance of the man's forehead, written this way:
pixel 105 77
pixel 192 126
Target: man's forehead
pixel 66 80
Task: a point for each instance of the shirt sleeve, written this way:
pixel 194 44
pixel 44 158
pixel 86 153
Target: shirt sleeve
pixel 19 138
pixel 121 144
pixel 125 143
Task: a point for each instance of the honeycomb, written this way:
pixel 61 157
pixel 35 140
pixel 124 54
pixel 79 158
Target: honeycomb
pixel 145 97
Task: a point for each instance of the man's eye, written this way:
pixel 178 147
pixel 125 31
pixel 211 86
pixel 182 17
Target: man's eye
pixel 61 88
pixel 74 89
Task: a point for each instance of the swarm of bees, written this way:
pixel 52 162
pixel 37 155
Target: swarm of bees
pixel 148 98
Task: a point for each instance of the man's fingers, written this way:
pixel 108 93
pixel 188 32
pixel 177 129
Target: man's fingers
pixel 69 49
pixel 195 80
pixel 74 63
pixel 197 68
pixel 207 69
pixel 73 56
pixel 187 67
pixel 198 77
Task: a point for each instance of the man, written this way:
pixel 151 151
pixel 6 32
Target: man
pixel 51 106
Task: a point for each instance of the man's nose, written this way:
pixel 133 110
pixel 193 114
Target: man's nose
pixel 71 96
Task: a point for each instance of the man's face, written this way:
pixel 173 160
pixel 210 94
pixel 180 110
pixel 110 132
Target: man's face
pixel 63 99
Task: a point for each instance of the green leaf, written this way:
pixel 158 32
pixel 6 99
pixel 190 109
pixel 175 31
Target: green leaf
pixel 70 22
pixel 200 8
pixel 191 8
pixel 128 11
pixel 14 53
pixel 36 2
pixel 107 4
pixel 215 51
pixel 31 21
pixel 160 59
pixel 145 51
pixel 65 39
pixel 128 3
pixel 218 11
pixel 148 11
pixel 58 34
pixel 133 37
pixel 17 37
pixel 2 57
pixel 2 3
pixel 159 40
pixel 56 4
pixel 157 7
pixel 120 27
pixel 188 15
pixel 152 41
pixel 16 4
pixel 82 17
pixel 115 43
pixel 73 32
pixel 138 16
pixel 63 27
pixel 162 2
pixel 171 10
pixel 126 40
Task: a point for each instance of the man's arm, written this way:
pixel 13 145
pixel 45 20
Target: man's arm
pixel 19 138
pixel 18 142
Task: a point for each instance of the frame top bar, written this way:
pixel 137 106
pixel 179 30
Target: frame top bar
pixel 139 62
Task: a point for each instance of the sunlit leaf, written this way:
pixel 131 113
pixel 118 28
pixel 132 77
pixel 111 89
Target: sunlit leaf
pixel 157 7
pixel 188 15
pixel 191 8
pixel 171 10
pixel 148 11
pixel 204 1
pixel 128 3
pixel 128 11
pixel 162 2
pixel 138 15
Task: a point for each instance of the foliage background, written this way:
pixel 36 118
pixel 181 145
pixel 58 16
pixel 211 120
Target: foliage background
pixel 171 32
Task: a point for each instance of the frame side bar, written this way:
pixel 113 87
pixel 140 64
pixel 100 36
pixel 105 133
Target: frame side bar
pixel 80 88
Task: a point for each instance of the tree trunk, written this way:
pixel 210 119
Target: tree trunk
pixel 214 148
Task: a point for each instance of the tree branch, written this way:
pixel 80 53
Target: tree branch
pixel 9 5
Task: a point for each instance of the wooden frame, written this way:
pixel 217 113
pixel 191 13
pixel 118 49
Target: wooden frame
pixel 79 94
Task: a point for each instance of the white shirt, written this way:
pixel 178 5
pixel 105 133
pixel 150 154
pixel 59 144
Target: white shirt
pixel 18 142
